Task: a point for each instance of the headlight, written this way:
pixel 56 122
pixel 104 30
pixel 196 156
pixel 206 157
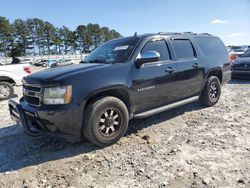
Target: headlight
pixel 57 95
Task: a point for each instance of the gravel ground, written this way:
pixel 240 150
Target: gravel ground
pixel 190 146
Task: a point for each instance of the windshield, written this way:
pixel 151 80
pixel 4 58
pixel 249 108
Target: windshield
pixel 247 53
pixel 116 51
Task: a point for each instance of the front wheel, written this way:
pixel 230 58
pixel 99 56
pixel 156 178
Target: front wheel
pixel 105 121
pixel 6 90
pixel 211 92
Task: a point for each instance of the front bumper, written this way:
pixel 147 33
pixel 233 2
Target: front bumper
pixel 241 73
pixel 62 122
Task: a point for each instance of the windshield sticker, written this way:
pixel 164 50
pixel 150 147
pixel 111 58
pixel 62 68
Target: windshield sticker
pixel 121 48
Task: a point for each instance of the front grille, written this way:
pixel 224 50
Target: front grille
pixel 32 94
pixel 32 88
pixel 32 100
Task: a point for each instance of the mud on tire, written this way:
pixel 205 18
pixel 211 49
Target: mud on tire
pixel 105 121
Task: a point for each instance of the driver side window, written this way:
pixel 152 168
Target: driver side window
pixel 159 46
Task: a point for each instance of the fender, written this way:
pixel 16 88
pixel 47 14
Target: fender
pixel 121 88
pixel 208 72
pixel 11 76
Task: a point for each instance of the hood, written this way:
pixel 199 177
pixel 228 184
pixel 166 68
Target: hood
pixel 54 75
pixel 243 60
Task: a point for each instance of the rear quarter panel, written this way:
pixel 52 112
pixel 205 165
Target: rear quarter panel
pixel 213 54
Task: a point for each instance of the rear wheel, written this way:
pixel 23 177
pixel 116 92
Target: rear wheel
pixel 6 90
pixel 53 65
pixel 105 121
pixel 211 92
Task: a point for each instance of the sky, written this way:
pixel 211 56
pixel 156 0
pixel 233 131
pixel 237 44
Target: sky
pixel 228 19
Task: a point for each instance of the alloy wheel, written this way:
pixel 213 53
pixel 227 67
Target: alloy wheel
pixel 213 92
pixel 110 122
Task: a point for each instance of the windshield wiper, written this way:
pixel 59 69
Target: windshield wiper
pixel 99 61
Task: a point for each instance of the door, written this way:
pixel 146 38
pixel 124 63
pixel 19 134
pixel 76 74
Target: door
pixel 189 74
pixel 153 82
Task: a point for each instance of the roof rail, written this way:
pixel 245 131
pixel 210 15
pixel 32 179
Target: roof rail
pixel 169 33
pixel 206 34
pixel 189 32
pixel 162 33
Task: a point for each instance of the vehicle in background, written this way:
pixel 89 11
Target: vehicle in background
pixel 10 75
pixel 130 77
pixel 60 63
pixel 25 61
pixel 52 63
pixel 236 51
pixel 44 62
pixel 39 62
pixel 241 66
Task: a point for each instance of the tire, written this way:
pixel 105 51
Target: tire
pixel 103 127
pixel 211 92
pixel 6 90
pixel 53 65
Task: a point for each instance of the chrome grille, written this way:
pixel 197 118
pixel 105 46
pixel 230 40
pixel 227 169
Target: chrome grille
pixel 32 94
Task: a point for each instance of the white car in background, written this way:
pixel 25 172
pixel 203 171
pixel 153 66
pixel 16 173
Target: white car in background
pixel 237 52
pixel 10 75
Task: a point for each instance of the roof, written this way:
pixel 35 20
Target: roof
pixel 175 33
pixel 183 34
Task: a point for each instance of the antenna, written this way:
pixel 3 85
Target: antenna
pixel 135 34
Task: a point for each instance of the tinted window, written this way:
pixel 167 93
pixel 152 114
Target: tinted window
pixel 211 46
pixel 183 48
pixel 158 46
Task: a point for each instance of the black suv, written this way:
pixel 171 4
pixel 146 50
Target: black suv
pixel 126 78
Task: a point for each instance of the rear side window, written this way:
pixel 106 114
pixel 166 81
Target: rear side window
pixel 211 46
pixel 159 46
pixel 183 48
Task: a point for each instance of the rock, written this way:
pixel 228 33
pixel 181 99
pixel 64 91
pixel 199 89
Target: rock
pixel 140 171
pixel 87 157
pixel 147 138
pixel 44 180
pixel 163 184
pixel 195 174
pixel 241 181
pixel 173 151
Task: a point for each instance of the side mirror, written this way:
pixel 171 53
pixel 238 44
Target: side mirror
pixel 146 57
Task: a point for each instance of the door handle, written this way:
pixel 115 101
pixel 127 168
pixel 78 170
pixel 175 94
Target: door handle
pixel 196 65
pixel 169 70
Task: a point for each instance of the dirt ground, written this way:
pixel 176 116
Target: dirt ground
pixel 190 146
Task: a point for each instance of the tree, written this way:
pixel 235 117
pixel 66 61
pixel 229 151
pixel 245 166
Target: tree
pixel 23 37
pixel 38 26
pixel 109 34
pixel 91 36
pixel 49 32
pixel 83 38
pixel 67 37
pixel 95 32
pixel 58 42
pixel 5 35
pixel 35 36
